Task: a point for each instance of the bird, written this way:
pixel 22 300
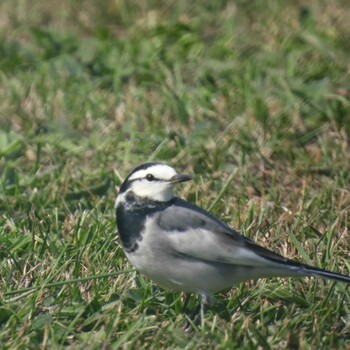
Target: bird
pixel 182 247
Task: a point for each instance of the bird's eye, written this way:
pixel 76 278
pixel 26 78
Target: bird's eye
pixel 150 177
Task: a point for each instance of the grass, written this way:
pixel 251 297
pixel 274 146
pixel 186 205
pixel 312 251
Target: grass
pixel 252 98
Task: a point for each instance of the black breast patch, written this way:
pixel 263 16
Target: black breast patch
pixel 130 226
pixel 131 220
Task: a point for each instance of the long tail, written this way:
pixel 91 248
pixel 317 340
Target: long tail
pixel 307 270
pixel 295 268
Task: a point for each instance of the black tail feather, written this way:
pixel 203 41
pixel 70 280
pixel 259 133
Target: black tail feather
pixel 299 268
pixel 321 273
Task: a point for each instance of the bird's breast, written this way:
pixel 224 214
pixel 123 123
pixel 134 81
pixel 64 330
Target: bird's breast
pixel 130 226
pixel 131 220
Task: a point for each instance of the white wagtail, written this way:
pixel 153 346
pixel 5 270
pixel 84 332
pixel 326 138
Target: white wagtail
pixel 182 247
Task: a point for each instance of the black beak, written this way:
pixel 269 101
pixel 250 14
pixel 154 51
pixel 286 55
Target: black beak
pixel 180 178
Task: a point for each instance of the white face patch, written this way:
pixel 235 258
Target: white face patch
pixel 159 189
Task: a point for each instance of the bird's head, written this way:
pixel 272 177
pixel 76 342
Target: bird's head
pixel 152 181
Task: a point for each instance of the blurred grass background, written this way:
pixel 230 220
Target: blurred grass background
pixel 252 98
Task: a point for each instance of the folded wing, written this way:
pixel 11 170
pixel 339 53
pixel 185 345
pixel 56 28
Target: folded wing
pixel 195 233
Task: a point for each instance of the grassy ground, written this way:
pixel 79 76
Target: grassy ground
pixel 250 97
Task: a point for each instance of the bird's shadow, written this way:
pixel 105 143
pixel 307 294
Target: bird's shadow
pixel 156 301
pixel 162 303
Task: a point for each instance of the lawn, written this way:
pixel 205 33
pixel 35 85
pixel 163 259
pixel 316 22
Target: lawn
pixel 252 98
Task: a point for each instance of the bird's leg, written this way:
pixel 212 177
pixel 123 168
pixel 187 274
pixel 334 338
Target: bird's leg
pixel 197 315
pixel 204 306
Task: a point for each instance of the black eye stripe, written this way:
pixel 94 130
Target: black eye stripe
pixel 144 178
